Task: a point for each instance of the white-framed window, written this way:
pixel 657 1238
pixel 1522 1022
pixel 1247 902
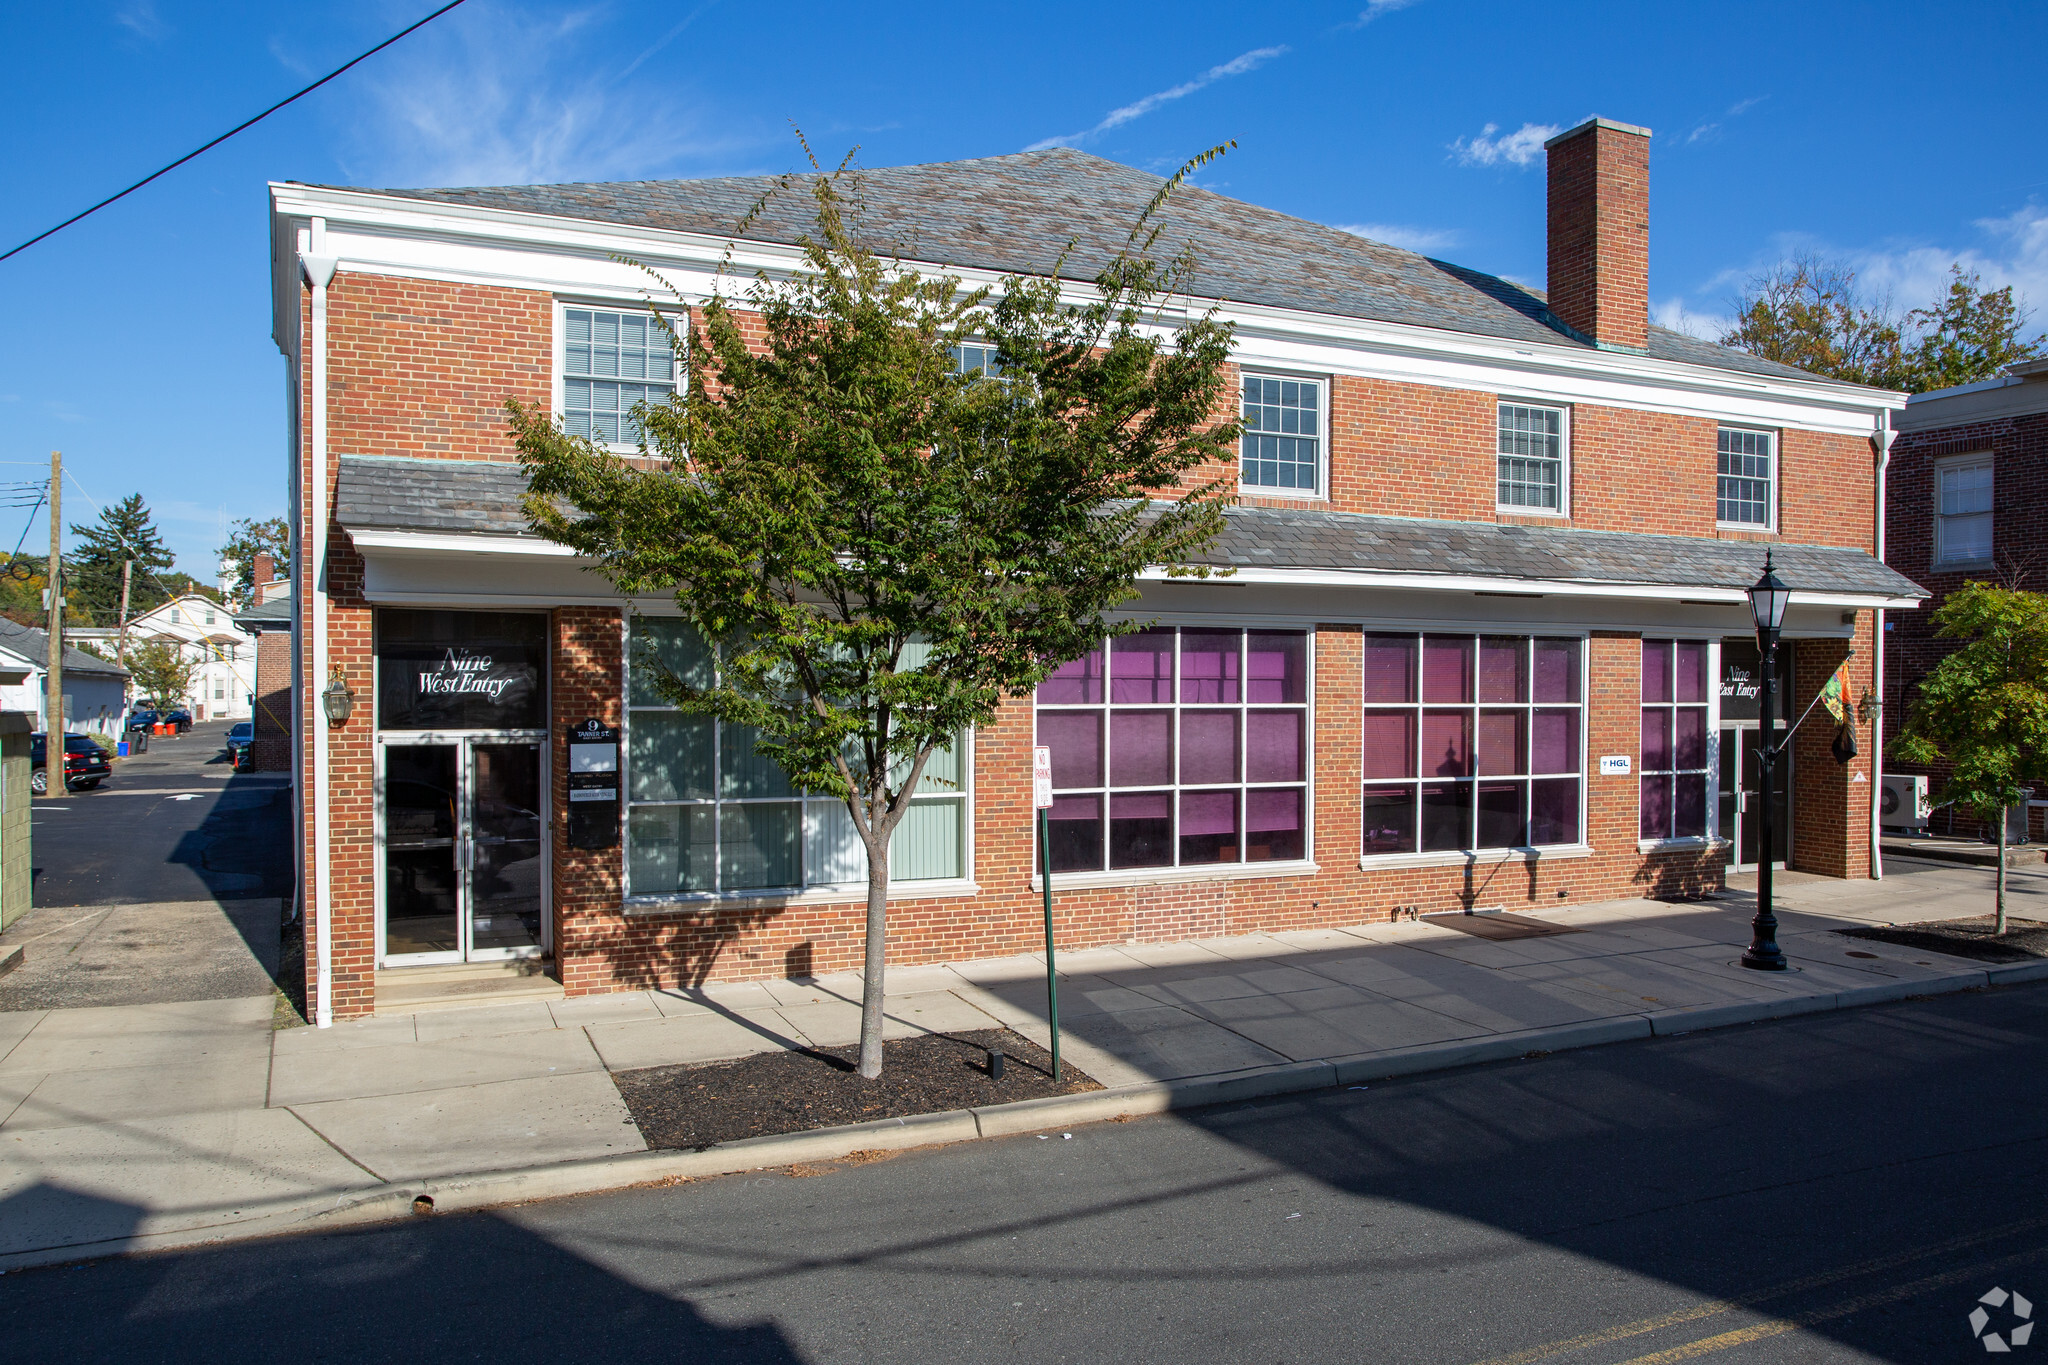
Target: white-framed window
pixel 611 360
pixel 1676 755
pixel 1282 447
pixel 1747 463
pixel 1179 747
pixel 708 815
pixel 1472 742
pixel 209 616
pixel 220 690
pixel 1534 455
pixel 976 357
pixel 1962 510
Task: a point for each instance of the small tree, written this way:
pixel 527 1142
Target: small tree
pixel 249 537
pixel 161 671
pixel 1984 708
pixel 879 546
pixel 1970 334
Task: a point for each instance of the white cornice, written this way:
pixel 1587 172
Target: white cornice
pixel 1530 587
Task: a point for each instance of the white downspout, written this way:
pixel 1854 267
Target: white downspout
pixel 1883 439
pixel 319 269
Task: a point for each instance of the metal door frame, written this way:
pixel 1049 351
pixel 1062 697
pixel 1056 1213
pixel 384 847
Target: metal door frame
pixel 464 742
pixel 1734 836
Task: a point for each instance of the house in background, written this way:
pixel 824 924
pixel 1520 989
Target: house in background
pixel 268 617
pixel 204 630
pixel 95 689
pixel 1967 498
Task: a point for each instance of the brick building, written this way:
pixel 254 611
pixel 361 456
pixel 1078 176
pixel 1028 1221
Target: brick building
pixel 268 617
pixel 1967 498
pixel 1485 644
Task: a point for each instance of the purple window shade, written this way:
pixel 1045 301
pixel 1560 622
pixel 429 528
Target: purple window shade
pixel 1075 826
pixel 1273 825
pixel 1273 746
pixel 1503 668
pixel 1554 742
pixel 1691 671
pixel 1276 667
pixel 1389 744
pixel 1140 748
pixel 1446 668
pixel 1209 667
pixel 1208 813
pixel 1389 820
pixel 1446 816
pixel 1389 669
pixel 1557 670
pixel 1141 830
pixel 1689 806
pixel 1078 683
pixel 1208 747
pixel 1503 743
pixel 1690 740
pixel 1447 744
pixel 1656 740
pixel 1502 822
pixel 1554 812
pixel 1656 670
pixel 1141 668
pixel 1141 806
pixel 1075 738
pixel 1656 808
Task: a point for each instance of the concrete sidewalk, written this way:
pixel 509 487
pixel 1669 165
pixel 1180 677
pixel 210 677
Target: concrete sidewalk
pixel 157 1124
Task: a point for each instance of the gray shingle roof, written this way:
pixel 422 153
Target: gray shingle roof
pixel 482 497
pixel 1017 213
pixel 276 614
pixel 33 643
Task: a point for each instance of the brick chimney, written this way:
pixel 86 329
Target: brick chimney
pixel 1600 232
pixel 263 571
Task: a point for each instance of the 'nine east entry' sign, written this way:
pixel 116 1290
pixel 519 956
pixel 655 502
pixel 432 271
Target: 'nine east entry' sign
pixel 460 670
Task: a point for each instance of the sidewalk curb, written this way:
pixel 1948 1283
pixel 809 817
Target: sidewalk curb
pixel 10 958
pixel 595 1175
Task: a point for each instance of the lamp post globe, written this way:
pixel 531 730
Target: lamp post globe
pixel 1768 598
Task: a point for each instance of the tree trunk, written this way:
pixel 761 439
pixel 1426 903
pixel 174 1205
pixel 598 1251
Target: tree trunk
pixel 2001 869
pixel 877 949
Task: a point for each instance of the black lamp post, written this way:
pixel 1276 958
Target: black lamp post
pixel 1767 601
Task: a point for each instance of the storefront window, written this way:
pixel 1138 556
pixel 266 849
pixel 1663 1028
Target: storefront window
pixel 461 670
pixel 707 813
pixel 1471 742
pixel 1674 768
pixel 1179 748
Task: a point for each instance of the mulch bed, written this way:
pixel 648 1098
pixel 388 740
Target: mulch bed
pixel 2024 940
pixel 695 1107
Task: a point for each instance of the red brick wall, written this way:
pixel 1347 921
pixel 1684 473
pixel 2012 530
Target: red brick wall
pixel 1599 195
pixel 1830 799
pixel 271 750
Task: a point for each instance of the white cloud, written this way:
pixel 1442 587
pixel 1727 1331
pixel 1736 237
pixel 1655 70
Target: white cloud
pixel 1674 314
pixel 1236 66
pixel 1519 148
pixel 1707 132
pixel 1376 8
pixel 1404 235
pixel 522 99
pixel 140 18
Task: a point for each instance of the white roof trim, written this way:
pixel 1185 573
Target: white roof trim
pixel 1527 587
pixel 458 543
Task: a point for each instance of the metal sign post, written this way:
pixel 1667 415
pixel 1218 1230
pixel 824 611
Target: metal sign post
pixel 1041 797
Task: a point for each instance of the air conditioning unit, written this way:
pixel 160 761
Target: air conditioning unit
pixel 1904 803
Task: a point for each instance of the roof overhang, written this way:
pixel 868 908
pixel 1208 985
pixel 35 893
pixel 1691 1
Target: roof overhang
pixel 1701 595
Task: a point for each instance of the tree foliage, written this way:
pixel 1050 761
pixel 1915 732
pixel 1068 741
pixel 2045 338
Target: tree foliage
pixel 249 537
pixel 1810 313
pixel 123 531
pixel 880 547
pixel 161 671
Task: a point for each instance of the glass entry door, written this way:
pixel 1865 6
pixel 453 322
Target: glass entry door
pixel 463 863
pixel 1741 799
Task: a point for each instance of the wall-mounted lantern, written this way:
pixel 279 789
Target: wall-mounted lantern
pixel 336 700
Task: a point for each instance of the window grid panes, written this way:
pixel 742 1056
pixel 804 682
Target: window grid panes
pixel 1179 748
pixel 707 814
pixel 1963 522
pixel 1744 496
pixel 1471 742
pixel 610 362
pixel 1674 749
pixel 1531 472
pixel 1283 434
pixel 975 358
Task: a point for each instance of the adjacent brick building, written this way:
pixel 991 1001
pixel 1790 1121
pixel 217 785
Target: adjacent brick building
pixel 1483 645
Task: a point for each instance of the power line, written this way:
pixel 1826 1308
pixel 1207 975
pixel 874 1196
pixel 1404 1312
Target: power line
pixel 250 123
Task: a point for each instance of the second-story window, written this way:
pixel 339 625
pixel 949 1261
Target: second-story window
pixel 611 361
pixel 1747 478
pixel 1962 511
pixel 1283 435
pixel 1531 471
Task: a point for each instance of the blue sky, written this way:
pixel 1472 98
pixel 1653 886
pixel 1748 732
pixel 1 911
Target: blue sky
pixel 1898 137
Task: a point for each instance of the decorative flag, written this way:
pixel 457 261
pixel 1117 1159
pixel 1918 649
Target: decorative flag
pixel 1835 696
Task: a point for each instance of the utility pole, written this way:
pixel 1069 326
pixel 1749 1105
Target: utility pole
pixel 121 648
pixel 54 755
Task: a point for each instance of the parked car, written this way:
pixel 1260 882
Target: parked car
pixel 179 717
pixel 142 718
pixel 241 735
pixel 85 763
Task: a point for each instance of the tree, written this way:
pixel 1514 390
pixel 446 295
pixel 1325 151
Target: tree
pixel 22 581
pixel 161 671
pixel 1810 314
pixel 1984 708
pixel 249 537
pixel 124 531
pixel 879 547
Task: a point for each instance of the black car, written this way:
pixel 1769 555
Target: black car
pixel 179 717
pixel 241 735
pixel 142 718
pixel 85 763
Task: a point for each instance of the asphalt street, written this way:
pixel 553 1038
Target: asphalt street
pixel 174 824
pixel 1838 1187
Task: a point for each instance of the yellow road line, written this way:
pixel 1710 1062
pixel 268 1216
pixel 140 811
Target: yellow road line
pixel 1715 1307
